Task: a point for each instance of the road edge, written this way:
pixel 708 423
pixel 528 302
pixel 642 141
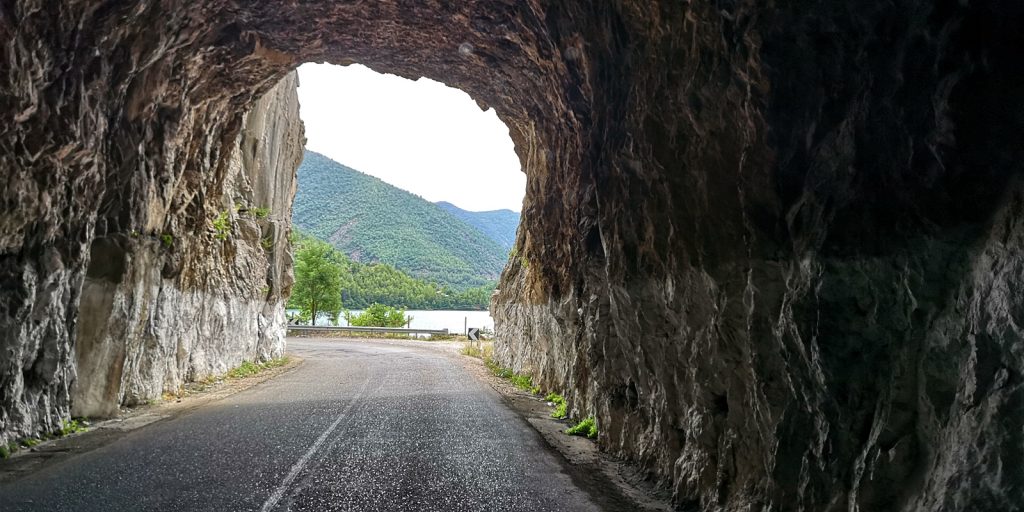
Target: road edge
pixel 621 486
pixel 47 454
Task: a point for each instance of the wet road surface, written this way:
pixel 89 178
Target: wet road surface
pixel 358 426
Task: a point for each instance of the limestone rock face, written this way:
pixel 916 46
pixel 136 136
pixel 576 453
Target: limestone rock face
pixel 159 311
pixel 774 249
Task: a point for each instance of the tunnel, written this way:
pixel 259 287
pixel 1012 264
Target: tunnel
pixel 774 249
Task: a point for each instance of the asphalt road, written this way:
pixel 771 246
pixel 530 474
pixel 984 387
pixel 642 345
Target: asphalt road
pixel 359 426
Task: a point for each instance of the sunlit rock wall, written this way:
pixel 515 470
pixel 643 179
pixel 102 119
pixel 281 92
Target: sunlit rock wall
pixel 188 302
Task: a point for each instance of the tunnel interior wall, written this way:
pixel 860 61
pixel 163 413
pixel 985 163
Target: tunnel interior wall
pixel 122 150
pixel 793 254
pixel 773 249
pixel 192 302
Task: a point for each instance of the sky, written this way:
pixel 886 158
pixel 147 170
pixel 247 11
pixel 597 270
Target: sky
pixel 421 136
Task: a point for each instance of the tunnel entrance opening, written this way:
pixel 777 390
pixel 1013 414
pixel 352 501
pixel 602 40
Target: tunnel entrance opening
pixel 416 188
pixel 188 235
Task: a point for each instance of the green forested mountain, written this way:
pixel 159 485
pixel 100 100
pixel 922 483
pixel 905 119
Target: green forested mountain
pixel 374 222
pixel 365 284
pixel 498 225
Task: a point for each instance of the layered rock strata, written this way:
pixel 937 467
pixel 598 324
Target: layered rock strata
pixel 774 249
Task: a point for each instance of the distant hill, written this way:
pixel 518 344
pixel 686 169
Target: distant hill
pixel 372 221
pixel 498 225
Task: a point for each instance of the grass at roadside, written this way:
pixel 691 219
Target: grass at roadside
pixel 67 427
pixel 560 405
pixel 248 368
pixel 519 380
pixel 586 427
pixel 483 350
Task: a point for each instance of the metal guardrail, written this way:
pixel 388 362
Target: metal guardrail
pixel 386 330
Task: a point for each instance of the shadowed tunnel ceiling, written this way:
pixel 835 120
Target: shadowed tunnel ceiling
pixel 774 249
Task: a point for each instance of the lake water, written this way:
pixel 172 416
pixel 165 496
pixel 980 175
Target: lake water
pixel 451 320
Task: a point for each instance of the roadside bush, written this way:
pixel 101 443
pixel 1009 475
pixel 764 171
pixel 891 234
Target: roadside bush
pixel 379 315
pixel 587 427
pixel 560 405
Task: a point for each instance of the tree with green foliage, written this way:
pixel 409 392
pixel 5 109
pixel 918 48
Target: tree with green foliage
pixel 317 280
pixel 379 315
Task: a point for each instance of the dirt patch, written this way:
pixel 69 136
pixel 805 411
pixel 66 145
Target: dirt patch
pixel 620 486
pixel 101 433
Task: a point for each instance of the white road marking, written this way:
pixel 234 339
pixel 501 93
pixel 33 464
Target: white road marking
pixel 297 468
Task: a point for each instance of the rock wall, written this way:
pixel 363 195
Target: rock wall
pixel 774 249
pixel 796 278
pixel 115 145
pixel 191 302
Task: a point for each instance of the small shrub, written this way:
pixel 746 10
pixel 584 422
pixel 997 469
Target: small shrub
pixel 222 225
pixel 260 212
pixel 267 243
pixel 245 369
pixel 560 411
pixel 29 442
pixel 522 382
pixel 379 315
pixel 8 449
pixel 587 427
pixel 560 405
pixel 68 427
pixel 167 239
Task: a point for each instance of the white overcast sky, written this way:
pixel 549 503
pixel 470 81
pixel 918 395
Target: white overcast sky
pixel 422 136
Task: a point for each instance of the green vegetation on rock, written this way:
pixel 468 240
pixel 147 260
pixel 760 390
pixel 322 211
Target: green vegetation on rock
pixel 375 222
pixel 560 405
pixel 587 427
pixel 222 225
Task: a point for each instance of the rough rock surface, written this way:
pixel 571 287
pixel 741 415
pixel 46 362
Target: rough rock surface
pixel 158 311
pixel 774 249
